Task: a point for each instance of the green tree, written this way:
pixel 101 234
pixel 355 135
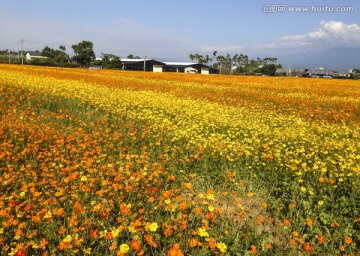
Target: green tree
pixel 57 56
pixel 60 55
pixel 131 56
pixel 269 69
pixel 110 61
pixel 201 59
pixel 84 53
pixel 48 52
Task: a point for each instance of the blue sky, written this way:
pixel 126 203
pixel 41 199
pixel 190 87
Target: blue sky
pixel 171 30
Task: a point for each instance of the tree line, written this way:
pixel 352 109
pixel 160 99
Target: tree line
pixel 84 56
pixel 238 63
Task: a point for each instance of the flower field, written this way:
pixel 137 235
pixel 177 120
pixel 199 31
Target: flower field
pixel 99 162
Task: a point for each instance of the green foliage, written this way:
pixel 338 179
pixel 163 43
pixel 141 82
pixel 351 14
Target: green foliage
pixel 84 53
pixel 269 69
pixel 56 57
pixel 131 56
pixel 238 63
pixel 110 61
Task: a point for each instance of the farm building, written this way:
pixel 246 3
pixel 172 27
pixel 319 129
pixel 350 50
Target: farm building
pixel 139 64
pixel 189 67
pixel 158 66
pixel 31 55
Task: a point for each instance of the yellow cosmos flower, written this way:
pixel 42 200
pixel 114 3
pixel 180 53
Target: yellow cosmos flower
pixel 202 232
pixel 221 246
pixel 153 227
pixel 87 250
pixel 210 196
pixel 124 248
pixel 132 229
pixel 210 208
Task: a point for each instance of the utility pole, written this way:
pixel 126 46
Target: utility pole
pixel 22 51
pixel 145 63
pixel 289 66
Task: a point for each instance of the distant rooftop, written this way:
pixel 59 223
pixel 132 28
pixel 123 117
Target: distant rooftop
pixel 172 63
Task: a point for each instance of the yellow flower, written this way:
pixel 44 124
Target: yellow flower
pixel 320 203
pixel 124 248
pixel 210 196
pixel 221 246
pixel 202 232
pixel 48 215
pixel 67 239
pixel 115 232
pixel 84 178
pixel 87 251
pixel 132 229
pixel 303 189
pixel 210 208
pixel 22 194
pixel 153 226
pixel 35 246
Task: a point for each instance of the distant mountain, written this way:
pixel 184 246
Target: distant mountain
pixel 337 58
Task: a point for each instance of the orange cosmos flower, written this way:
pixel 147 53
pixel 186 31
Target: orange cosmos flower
pixel 135 245
pixel 168 232
pixel 348 240
pixel 286 222
pixel 321 239
pixel 292 206
pixel 20 252
pixel 253 249
pixel 175 250
pixel 211 243
pixel 113 246
pixel 124 209
pixel 307 247
pixel 172 177
pixel 43 244
pixel 149 239
pixel 193 242
pixel 94 233
pixel 309 222
pixel 58 211
pixel 183 205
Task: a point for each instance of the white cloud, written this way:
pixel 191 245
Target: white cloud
pixel 328 34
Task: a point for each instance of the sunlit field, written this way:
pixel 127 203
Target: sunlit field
pixel 98 162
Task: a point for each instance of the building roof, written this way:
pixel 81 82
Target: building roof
pixel 172 63
pixel 134 60
pixel 35 53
